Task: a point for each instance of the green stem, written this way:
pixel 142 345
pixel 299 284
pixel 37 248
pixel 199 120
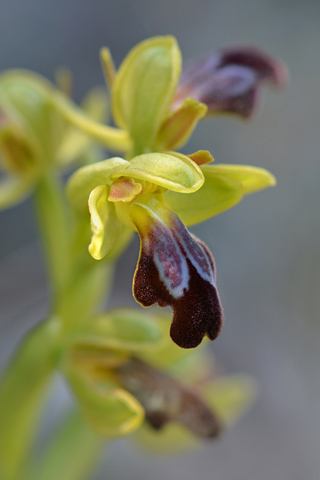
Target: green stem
pixel 114 139
pixel 83 295
pixel 55 230
pixel 23 391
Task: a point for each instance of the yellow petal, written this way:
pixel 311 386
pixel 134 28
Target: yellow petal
pixel 105 225
pixel 177 128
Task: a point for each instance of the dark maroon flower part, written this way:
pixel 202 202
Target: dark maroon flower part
pixel 177 269
pixel 229 80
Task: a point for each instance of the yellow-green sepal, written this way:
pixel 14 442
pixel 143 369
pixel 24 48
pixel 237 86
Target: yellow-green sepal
pixel 177 128
pixel 105 225
pixel 144 86
pixel 217 194
pixel 252 179
pixel 223 188
pixel 85 179
pixel 111 411
pixel 124 330
pixel 172 171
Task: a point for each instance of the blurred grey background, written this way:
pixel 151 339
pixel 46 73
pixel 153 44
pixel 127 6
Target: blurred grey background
pixel 267 248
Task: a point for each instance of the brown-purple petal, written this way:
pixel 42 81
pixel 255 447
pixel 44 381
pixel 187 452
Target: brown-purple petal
pixel 177 269
pixel 229 80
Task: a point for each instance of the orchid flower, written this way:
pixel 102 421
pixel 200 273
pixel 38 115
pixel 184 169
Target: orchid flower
pixel 154 194
pixel 159 194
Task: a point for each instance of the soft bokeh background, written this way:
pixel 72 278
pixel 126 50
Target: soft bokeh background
pixel 267 249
